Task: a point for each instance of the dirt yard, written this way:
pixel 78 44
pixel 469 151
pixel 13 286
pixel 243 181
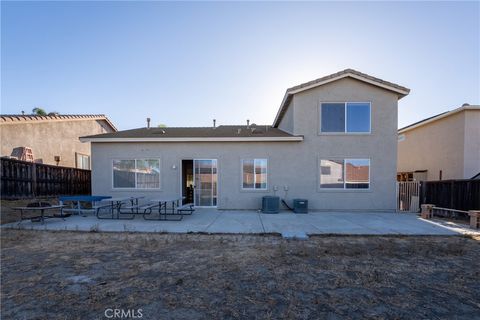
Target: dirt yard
pixel 73 275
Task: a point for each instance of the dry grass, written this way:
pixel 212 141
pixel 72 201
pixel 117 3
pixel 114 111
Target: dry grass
pixel 237 276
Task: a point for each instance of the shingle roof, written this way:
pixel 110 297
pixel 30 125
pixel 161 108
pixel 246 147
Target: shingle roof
pixel 400 90
pixel 223 131
pixel 18 118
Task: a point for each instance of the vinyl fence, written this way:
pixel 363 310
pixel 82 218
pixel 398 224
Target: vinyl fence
pixel 20 179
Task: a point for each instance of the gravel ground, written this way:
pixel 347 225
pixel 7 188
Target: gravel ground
pixel 73 275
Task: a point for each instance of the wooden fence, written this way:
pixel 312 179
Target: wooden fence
pixel 452 194
pixel 20 179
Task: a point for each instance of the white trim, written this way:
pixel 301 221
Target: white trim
pixel 220 139
pixel 355 76
pixel 449 113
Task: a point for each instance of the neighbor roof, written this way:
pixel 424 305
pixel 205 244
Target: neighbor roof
pixel 176 134
pixel 24 118
pixel 438 117
pixel 400 90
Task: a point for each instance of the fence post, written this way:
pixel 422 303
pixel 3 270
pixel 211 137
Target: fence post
pixel 34 179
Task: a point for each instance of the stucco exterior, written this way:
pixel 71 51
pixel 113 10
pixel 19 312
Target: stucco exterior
pixel 449 144
pixel 293 167
pixel 49 137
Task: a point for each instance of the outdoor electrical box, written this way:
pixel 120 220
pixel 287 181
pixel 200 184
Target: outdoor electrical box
pixel 270 204
pixel 300 205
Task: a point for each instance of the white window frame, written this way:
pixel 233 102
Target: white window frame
pixel 345 132
pixel 254 188
pixel 82 155
pixel 136 188
pixel 344 174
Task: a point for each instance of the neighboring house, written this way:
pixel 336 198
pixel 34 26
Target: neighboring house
pixel 51 138
pixel 333 142
pixel 445 146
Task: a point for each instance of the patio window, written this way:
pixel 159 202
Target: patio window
pixel 136 174
pixel 345 174
pixel 345 117
pixel 254 174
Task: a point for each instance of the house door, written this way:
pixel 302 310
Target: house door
pixel 205 182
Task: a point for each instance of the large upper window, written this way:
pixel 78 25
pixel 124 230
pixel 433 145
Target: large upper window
pixel 348 117
pixel 254 174
pixel 345 174
pixel 137 174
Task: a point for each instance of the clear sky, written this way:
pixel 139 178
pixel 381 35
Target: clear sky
pixel 183 64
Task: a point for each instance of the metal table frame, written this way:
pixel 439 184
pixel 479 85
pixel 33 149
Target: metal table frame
pixel 42 215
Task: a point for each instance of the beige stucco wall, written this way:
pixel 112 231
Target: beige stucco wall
pixel 472 144
pixel 287 121
pixel 291 164
pixel 450 144
pixel 51 138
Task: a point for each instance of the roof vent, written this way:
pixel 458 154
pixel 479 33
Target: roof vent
pixel 239 130
pixel 465 104
pixel 148 123
pixel 214 123
pixel 248 123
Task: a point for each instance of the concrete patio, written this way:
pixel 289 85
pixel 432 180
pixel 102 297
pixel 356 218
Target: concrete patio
pixel 285 223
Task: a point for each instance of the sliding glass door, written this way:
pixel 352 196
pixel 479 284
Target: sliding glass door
pixel 205 179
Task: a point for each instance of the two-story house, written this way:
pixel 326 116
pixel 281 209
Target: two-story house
pixel 333 142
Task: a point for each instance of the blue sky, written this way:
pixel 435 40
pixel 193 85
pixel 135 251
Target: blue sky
pixel 183 64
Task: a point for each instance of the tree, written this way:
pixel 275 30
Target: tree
pixel 39 112
pixel 161 125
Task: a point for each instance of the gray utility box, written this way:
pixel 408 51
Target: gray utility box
pixel 270 204
pixel 300 205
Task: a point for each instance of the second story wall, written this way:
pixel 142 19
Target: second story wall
pixel 383 113
pixel 436 146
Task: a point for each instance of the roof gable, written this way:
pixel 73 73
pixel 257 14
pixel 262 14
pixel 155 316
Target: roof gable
pixel 347 73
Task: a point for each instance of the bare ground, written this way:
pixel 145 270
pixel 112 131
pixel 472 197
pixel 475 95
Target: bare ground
pixel 72 275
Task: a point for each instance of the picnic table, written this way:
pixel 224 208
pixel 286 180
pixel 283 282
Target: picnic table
pixel 41 210
pixel 116 207
pixel 162 203
pixel 77 203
